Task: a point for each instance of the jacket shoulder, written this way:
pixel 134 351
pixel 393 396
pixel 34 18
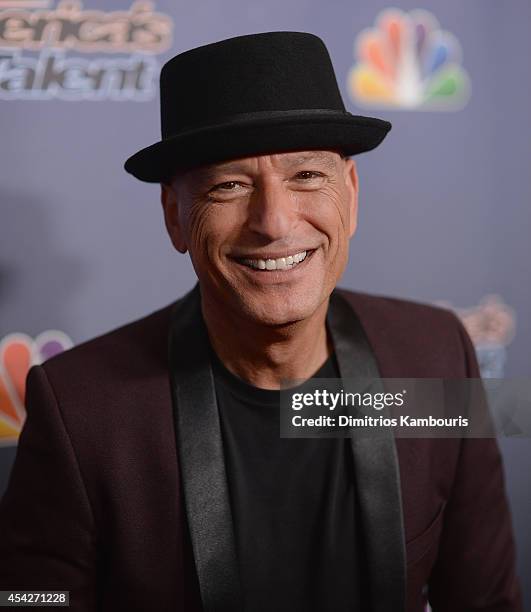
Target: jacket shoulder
pixel 132 346
pixel 400 311
pixel 413 339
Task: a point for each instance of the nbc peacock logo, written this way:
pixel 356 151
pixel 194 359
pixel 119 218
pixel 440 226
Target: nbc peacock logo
pixel 406 61
pixel 18 352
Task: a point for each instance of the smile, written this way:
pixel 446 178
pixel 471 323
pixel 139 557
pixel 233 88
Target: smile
pixel 281 263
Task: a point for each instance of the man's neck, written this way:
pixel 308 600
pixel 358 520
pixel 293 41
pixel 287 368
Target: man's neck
pixel 264 355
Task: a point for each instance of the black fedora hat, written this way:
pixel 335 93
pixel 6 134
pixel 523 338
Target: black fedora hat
pixel 251 95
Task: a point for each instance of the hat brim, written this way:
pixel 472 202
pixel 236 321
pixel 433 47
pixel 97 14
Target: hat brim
pixel 352 134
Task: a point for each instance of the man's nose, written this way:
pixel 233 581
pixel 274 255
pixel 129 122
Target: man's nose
pixel 272 210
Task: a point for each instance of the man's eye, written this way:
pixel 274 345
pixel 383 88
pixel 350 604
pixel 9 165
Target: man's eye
pixel 308 174
pixel 227 190
pixel 227 186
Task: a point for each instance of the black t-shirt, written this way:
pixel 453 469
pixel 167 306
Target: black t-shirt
pixel 293 505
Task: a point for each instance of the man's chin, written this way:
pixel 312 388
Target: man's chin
pixel 276 312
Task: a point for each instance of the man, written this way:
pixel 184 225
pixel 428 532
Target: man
pixel 148 479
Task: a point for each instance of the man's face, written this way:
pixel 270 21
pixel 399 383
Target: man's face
pixel 268 236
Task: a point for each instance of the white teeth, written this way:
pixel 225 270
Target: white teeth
pixel 282 263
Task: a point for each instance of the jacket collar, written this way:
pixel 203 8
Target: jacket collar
pixel 200 454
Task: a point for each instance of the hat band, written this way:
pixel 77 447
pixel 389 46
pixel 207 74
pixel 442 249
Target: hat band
pixel 301 114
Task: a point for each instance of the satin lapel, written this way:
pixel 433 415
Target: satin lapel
pixel 376 469
pixel 200 451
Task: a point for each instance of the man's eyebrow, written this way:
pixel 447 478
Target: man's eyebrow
pixel 210 171
pixel 312 156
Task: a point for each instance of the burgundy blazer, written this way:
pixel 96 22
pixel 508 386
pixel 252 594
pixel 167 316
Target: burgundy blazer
pixel 95 503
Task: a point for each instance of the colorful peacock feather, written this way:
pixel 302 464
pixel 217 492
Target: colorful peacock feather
pixel 18 352
pixel 407 62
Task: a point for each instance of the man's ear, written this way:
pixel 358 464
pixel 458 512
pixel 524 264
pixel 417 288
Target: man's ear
pixel 352 185
pixel 170 207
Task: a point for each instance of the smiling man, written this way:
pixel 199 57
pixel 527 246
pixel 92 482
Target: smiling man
pixel 268 237
pixel 150 474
